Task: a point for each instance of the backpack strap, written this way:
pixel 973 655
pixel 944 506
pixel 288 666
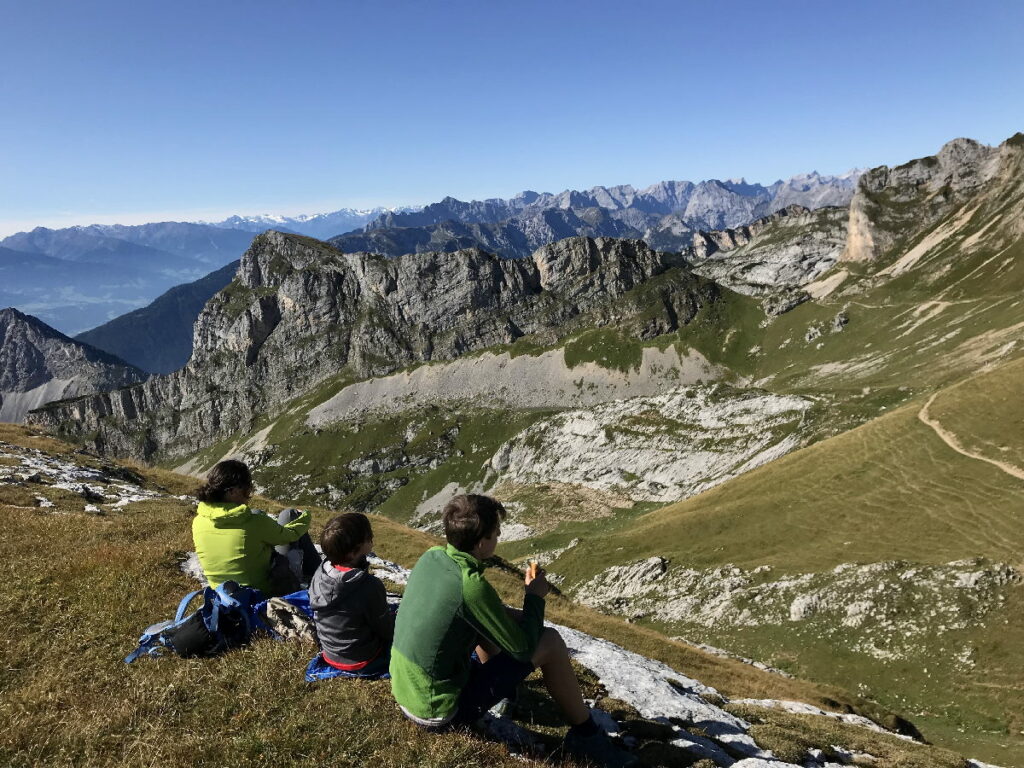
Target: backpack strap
pixel 227 601
pixel 146 648
pixel 183 605
pixel 150 643
pixel 211 609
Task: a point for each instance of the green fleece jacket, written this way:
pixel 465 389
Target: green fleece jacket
pixel 447 606
pixel 234 542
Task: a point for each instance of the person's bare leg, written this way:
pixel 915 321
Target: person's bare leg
pixel 553 659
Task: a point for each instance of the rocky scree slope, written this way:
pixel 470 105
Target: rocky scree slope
pixel 774 256
pixel 39 364
pixel 299 312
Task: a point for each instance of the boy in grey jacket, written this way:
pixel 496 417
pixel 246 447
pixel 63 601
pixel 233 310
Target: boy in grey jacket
pixel 353 622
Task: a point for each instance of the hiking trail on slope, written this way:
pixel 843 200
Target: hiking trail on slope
pixel 951 440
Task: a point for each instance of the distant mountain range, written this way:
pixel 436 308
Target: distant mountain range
pixel 85 277
pixel 665 215
pixel 318 225
pixel 77 278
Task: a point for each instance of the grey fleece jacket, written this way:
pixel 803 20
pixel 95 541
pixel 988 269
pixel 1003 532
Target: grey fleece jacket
pixel 350 608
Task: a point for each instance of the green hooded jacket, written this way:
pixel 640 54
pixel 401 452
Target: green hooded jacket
pixel 447 606
pixel 234 542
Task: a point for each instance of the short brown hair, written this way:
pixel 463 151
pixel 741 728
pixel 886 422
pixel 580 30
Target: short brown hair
pixel 344 534
pixel 468 518
pixel 222 478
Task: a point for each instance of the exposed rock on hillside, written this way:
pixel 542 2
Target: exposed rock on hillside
pixel 661 448
pixel 893 207
pixel 779 253
pixel 39 364
pixel 886 610
pixel 527 381
pixel 299 312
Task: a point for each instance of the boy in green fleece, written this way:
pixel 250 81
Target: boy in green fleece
pixel 245 545
pixel 449 609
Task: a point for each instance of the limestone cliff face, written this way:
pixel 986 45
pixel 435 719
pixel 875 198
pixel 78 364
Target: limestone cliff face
pixel 39 364
pixel 893 205
pixel 299 312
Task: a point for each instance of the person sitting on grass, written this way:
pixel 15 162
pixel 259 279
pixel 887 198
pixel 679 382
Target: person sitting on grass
pixel 449 608
pixel 350 608
pixel 236 543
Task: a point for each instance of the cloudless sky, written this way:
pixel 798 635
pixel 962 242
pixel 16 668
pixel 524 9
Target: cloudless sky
pixel 140 110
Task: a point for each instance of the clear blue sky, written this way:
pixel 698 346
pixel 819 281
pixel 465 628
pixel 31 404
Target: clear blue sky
pixel 143 110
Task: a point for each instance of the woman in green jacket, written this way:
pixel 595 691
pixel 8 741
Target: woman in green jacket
pixel 236 543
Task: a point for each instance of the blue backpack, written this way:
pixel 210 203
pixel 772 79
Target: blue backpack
pixel 227 619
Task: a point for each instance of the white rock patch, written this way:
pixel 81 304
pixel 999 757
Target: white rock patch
pixel 98 487
pixel 886 610
pixel 800 708
pixel 660 448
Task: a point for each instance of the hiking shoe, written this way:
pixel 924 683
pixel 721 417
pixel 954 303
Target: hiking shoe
pixel 598 750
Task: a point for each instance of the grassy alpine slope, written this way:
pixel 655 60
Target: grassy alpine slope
pixel 80 585
pixel 891 490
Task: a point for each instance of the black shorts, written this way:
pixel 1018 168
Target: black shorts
pixel 490 683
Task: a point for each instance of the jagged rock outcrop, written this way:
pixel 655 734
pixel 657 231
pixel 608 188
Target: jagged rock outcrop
pixel 299 312
pixel 39 364
pixel 892 207
pixel 777 254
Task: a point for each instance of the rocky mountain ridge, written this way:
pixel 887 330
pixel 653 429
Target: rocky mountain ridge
pixel 299 312
pixel 701 203
pixel 39 364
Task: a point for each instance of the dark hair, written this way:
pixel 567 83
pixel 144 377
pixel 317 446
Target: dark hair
pixel 469 518
pixel 344 535
pixel 222 478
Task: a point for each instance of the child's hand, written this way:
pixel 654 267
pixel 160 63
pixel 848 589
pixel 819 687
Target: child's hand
pixel 536 580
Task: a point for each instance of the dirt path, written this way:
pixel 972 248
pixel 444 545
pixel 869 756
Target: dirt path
pixel 950 439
